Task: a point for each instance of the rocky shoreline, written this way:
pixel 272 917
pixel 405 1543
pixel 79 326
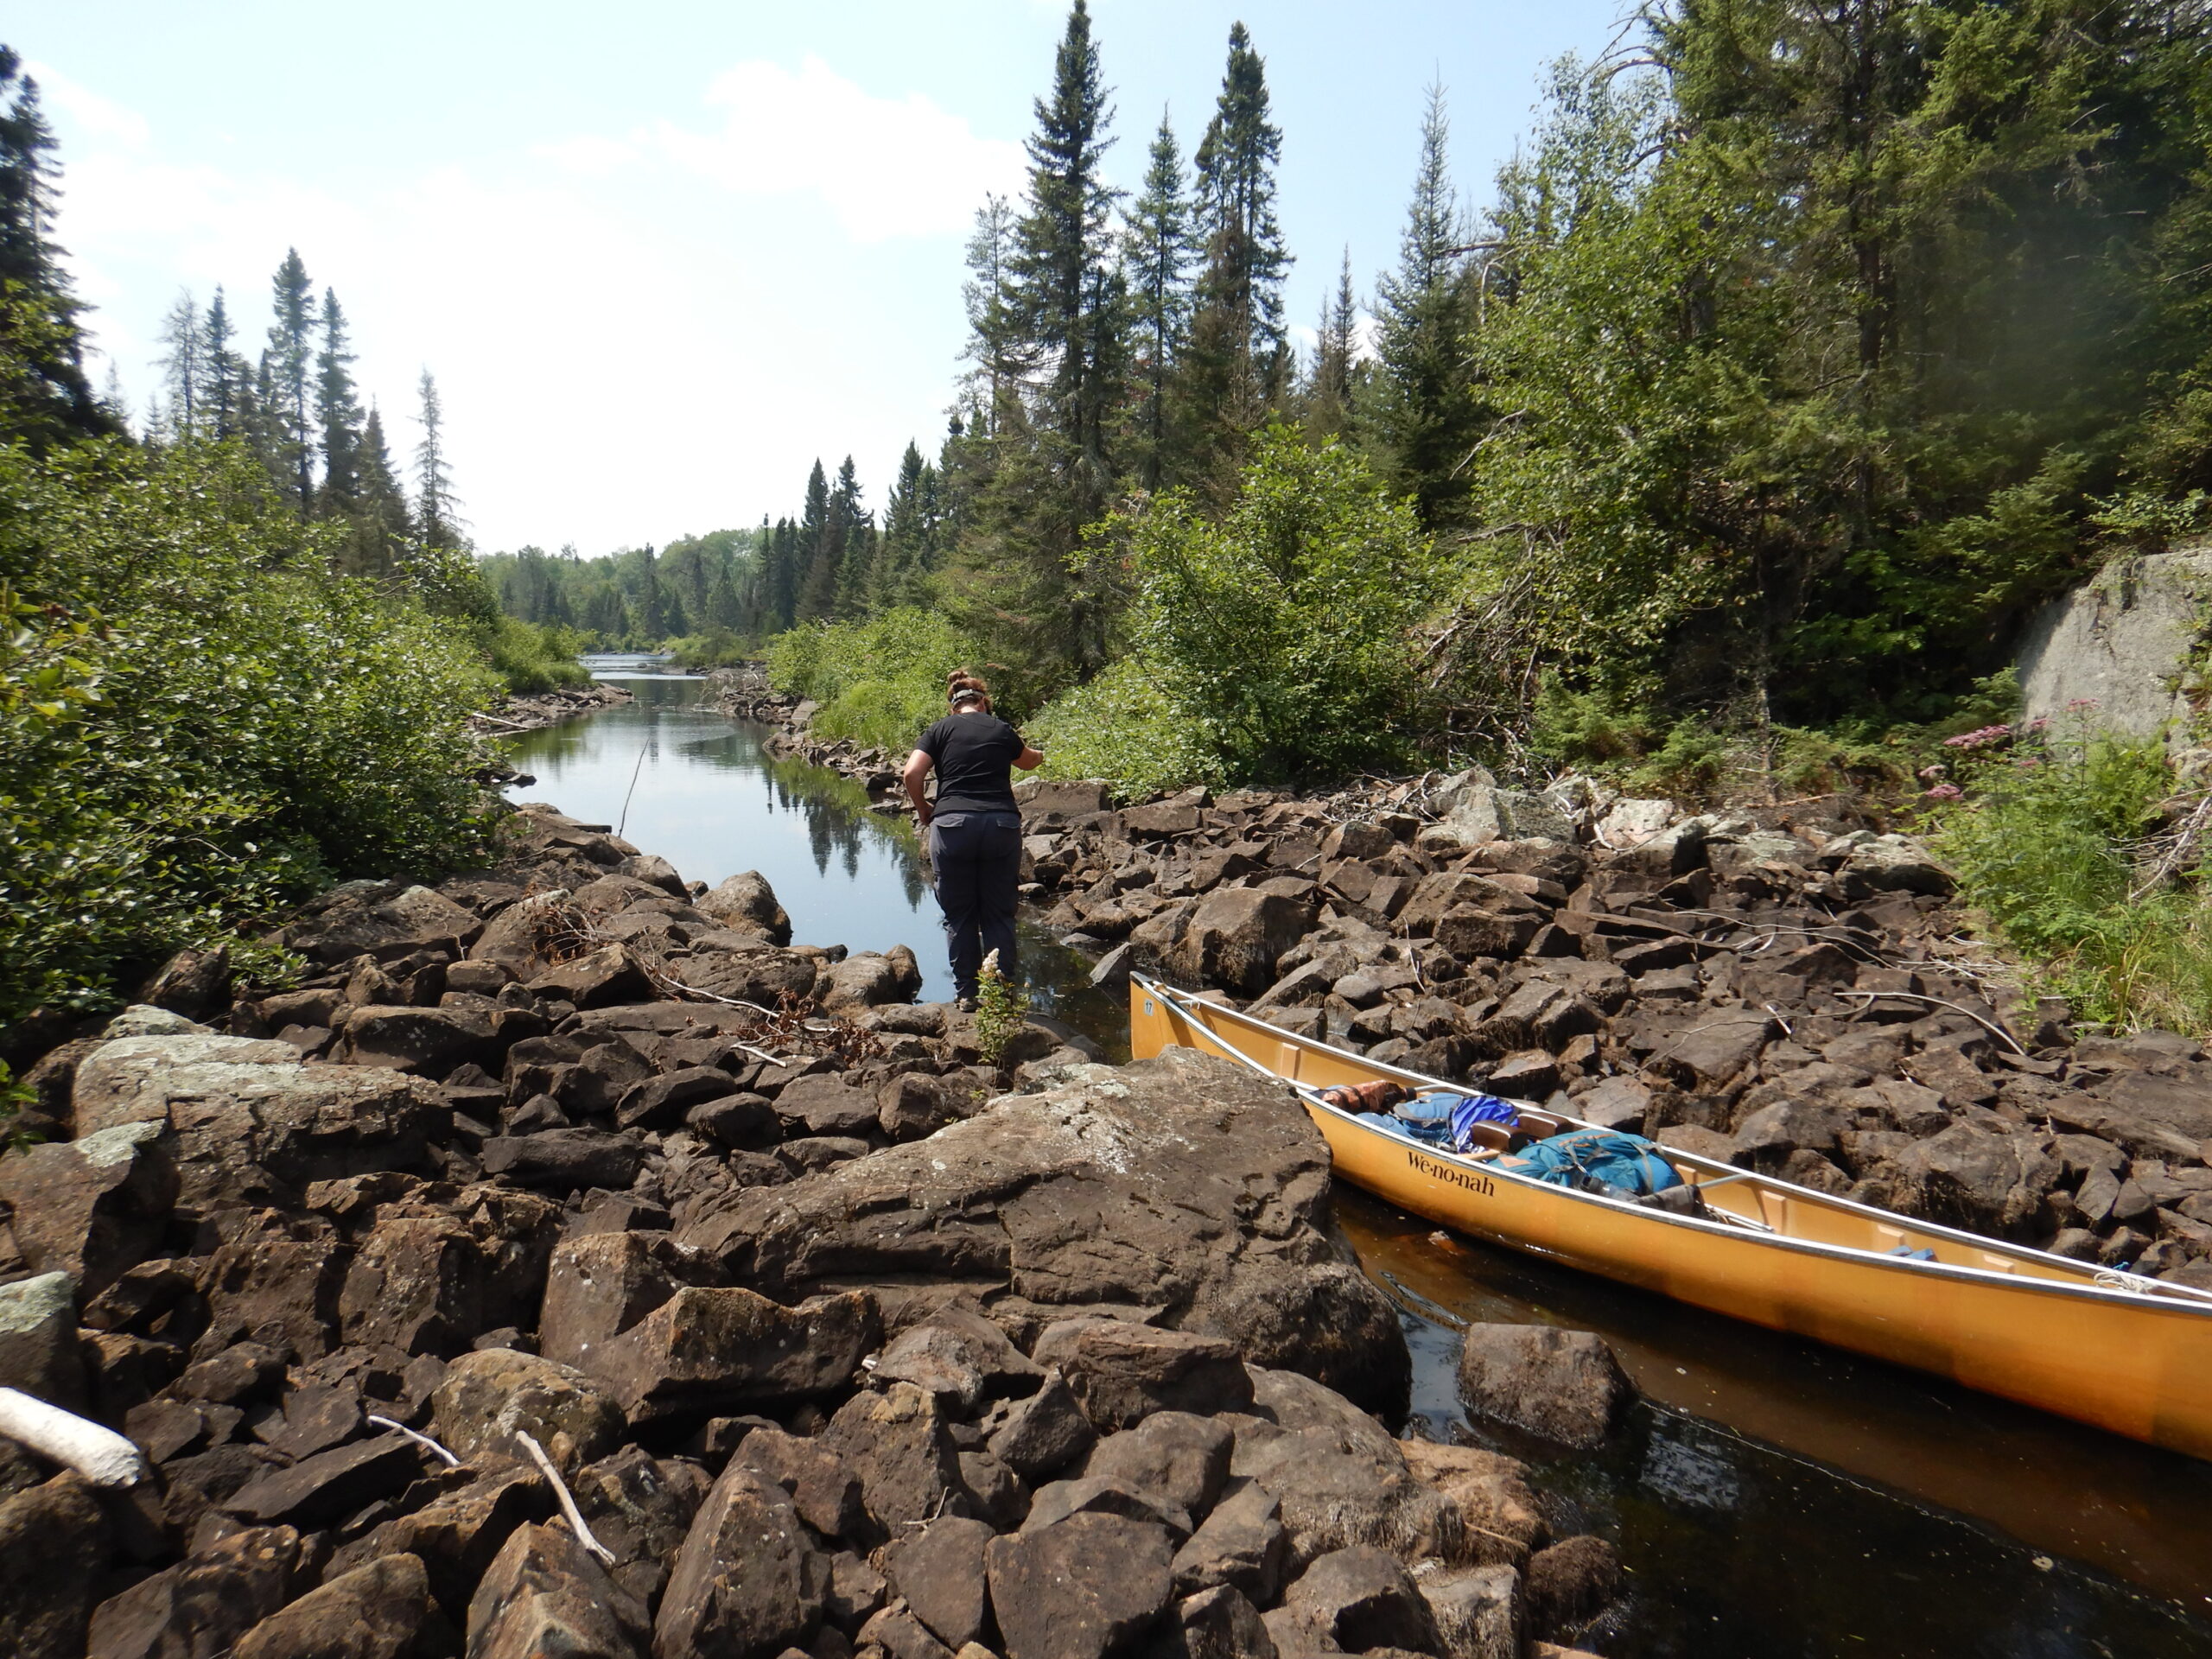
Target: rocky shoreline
pixel 539 710
pixel 844 1335
pixel 840 1338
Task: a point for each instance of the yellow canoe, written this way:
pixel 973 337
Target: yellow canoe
pixel 2130 1354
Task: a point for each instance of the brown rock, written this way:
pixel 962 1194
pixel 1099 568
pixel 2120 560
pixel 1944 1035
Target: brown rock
pixel 1362 1598
pixel 373 1612
pixel 53 1542
pixel 747 903
pixel 546 1594
pixel 199 1608
pixel 1235 936
pixel 717 1352
pixel 1121 1373
pixel 748 1582
pixel 457 1536
pixel 1559 1385
pixel 91 1207
pixel 1079 1589
pixel 641 1509
pixel 489 1395
pixel 940 1572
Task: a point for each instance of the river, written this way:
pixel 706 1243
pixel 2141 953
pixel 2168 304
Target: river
pixel 1771 1498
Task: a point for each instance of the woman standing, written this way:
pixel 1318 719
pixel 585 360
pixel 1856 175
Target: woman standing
pixel 975 828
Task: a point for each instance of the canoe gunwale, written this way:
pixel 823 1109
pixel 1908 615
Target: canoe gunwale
pixel 2124 1289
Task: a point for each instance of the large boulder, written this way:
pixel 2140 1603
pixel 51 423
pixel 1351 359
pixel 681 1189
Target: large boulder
pixel 378 918
pixel 94 1206
pixel 54 1543
pixel 489 1396
pixel 373 1612
pixel 546 1594
pixel 1474 811
pixel 2120 643
pixel 251 1121
pixel 1080 1588
pixel 1968 1176
pixel 1564 1386
pixel 1183 1185
pixel 746 904
pixel 748 1582
pixel 1235 937
pixel 721 1351
pixel 202 1606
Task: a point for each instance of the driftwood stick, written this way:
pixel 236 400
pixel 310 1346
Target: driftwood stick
pixel 99 1454
pixel 1989 1025
pixel 424 1440
pixel 560 1493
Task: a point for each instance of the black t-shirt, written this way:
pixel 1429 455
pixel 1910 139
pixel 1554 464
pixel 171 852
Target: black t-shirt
pixel 975 756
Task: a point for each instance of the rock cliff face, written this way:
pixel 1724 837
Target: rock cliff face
pixel 2120 642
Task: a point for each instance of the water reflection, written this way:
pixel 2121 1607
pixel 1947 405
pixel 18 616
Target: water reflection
pixel 701 791
pixel 1778 1498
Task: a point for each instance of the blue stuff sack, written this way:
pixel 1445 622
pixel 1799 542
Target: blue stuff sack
pixel 1480 1109
pixel 1599 1160
pixel 1436 1106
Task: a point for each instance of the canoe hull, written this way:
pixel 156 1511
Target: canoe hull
pixel 2136 1365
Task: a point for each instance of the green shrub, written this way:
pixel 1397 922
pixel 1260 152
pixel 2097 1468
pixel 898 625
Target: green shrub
pixel 880 682
pixel 1124 727
pixel 1288 627
pixel 198 722
pixel 528 657
pixel 2048 842
pixel 713 648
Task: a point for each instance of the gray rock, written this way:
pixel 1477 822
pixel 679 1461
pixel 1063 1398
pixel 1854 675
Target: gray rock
pixel 329 1486
pixel 724 1352
pixel 1044 1432
pixel 2120 642
pixel 38 1340
pixel 488 1396
pixel 252 1123
pixel 642 1508
pixel 1243 1543
pixel 1121 1373
pixel 545 1594
pixel 1477 1609
pixel 1172 1454
pixel 1564 1386
pixel 1235 937
pixel 1080 1589
pixel 960 1357
pixel 747 903
pixel 940 1572
pixel 901 1447
pixel 748 1581
pixel 1968 1176
pixel 1221 1623
pixel 1362 1598
pixel 199 1608
pixel 1094 1495
pixel 54 1544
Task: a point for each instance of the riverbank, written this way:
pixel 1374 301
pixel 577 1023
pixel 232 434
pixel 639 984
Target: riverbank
pixel 525 1156
pixel 540 709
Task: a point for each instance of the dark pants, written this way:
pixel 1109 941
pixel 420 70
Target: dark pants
pixel 977 859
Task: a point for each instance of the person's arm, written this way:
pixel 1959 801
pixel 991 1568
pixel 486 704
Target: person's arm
pixel 915 775
pixel 1029 759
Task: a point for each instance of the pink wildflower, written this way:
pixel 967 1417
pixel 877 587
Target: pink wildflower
pixel 1944 792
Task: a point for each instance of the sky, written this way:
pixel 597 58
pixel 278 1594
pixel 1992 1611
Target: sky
pixel 661 256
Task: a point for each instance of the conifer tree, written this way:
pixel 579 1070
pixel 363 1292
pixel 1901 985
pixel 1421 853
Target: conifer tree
pixel 437 521
pixel 338 412
pixel 1427 417
pixel 1158 252
pixel 227 385
pixel 781 578
pixel 855 537
pixel 183 365
pixel 289 362
pixel 1332 403
pixel 994 323
pixel 383 525
pixel 822 551
pixel 1239 347
pixel 46 397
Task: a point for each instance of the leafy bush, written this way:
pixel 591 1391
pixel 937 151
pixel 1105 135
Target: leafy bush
pixel 714 648
pixel 528 657
pixel 1124 727
pixel 1288 627
pixel 882 682
pixel 2048 839
pixel 198 722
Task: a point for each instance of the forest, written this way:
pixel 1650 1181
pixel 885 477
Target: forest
pixel 1801 352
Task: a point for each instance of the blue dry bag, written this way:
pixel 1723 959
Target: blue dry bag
pixel 1596 1159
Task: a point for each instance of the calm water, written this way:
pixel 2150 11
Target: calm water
pixel 698 789
pixel 1772 1499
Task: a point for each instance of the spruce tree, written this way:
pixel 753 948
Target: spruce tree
pixel 290 362
pixel 1427 417
pixel 183 365
pixel 1331 403
pixel 381 527
pixel 854 535
pixel 1158 252
pixel 437 522
pixel 227 385
pixel 338 412
pixel 44 397
pixel 821 550
pixel 994 344
pixel 1240 345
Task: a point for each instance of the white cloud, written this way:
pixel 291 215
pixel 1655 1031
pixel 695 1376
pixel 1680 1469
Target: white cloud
pixel 886 167
pixel 90 113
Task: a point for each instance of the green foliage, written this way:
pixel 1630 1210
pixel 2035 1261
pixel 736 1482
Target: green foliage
pixel 1286 628
pixel 1124 727
pixel 197 721
pixel 1000 1007
pixel 530 658
pixel 15 1096
pixel 880 682
pixel 714 648
pixel 2048 844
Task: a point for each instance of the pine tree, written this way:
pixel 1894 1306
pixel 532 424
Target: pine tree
pixel 822 551
pixel 227 386
pixel 289 363
pixel 183 366
pixel 1427 417
pixel 993 324
pixel 437 524
pixel 854 535
pixel 781 577
pixel 1332 403
pixel 383 525
pixel 1239 346
pixel 338 412
pixel 911 523
pixel 1158 252
pixel 1071 288
pixel 44 395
